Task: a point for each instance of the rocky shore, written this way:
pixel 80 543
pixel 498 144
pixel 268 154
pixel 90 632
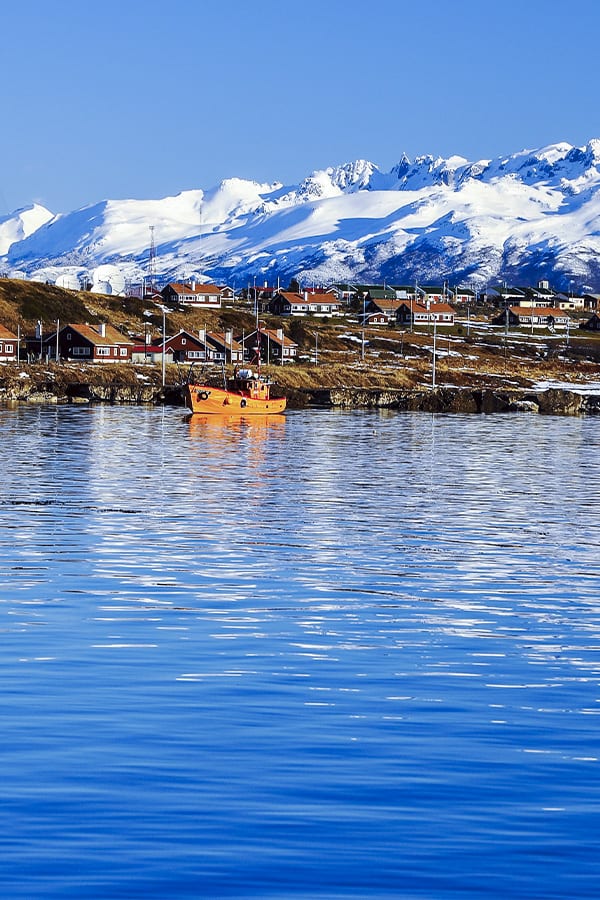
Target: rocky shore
pixel 552 401
pixel 40 385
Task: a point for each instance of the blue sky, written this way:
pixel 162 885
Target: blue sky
pixel 146 99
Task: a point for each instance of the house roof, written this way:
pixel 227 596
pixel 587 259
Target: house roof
pixel 150 348
pixel 539 311
pixel 537 291
pixel 381 293
pixel 180 288
pixel 219 337
pixel 271 333
pixel 196 339
pixel 506 291
pixel 5 334
pixel 433 307
pixel 91 333
pixel 386 305
pixel 322 297
pixel 273 336
pixel 431 288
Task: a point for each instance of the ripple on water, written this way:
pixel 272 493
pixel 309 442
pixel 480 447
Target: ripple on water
pixel 345 655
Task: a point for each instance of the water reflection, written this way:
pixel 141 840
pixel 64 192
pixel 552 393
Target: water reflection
pixel 326 654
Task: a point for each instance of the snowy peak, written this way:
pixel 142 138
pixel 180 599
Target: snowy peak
pixel 525 216
pixel 21 224
pixel 353 176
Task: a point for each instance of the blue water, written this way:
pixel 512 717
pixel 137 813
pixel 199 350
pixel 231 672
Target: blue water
pixel 336 654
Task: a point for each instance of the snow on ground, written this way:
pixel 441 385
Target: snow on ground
pixel 591 388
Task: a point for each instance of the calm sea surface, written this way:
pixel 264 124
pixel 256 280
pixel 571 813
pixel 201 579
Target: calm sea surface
pixel 336 654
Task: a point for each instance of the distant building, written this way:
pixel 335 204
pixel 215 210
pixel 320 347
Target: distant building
pixel 149 354
pixel 431 293
pixel 462 295
pixel 592 324
pixel 505 296
pixel 192 294
pixel 8 345
pixel 380 312
pixel 413 313
pixel 591 302
pixel 532 316
pixel 227 293
pixel 286 303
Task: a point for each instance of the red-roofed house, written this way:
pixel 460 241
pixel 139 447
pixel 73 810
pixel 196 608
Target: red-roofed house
pixel 94 343
pixel 221 345
pixel 275 347
pixel 187 347
pixel 8 345
pixel 192 294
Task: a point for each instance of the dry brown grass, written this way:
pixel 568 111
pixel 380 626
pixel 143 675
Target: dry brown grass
pixel 394 358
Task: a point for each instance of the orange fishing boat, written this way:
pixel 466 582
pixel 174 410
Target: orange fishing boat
pixel 247 393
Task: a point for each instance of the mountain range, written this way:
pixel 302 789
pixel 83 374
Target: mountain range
pixel 520 218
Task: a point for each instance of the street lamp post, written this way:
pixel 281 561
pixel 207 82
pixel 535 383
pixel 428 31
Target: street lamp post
pixel 362 355
pixel 433 366
pixel 164 349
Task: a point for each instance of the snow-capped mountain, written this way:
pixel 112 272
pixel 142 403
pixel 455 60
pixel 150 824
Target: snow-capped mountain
pixel 21 224
pixel 530 215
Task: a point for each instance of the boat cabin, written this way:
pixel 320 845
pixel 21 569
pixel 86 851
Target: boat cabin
pixel 251 384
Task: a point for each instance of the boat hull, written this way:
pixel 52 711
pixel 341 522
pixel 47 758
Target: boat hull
pixel 216 401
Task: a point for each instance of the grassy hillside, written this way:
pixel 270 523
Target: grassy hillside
pixel 331 352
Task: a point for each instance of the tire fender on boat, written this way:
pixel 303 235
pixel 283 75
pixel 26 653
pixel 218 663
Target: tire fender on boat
pixel 242 402
pixel 203 395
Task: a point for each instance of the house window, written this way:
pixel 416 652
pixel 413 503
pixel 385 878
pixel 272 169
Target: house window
pixel 183 341
pixel 103 351
pixel 81 351
pixel 122 351
pixel 8 348
pixel 195 354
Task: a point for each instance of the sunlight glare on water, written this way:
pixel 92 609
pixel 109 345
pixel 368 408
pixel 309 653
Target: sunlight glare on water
pixel 331 654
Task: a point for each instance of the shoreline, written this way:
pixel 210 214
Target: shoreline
pixel 325 387
pixel 562 400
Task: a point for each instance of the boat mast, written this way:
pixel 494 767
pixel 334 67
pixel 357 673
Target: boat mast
pixel 258 340
pixel 258 336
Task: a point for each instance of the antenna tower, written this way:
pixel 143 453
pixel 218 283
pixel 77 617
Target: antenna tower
pixel 152 261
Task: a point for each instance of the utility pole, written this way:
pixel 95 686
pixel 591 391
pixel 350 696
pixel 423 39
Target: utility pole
pixel 152 260
pixel 362 353
pixel 433 367
pixel 164 349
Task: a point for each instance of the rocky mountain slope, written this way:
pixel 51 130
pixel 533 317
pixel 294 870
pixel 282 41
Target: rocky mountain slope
pixel 530 215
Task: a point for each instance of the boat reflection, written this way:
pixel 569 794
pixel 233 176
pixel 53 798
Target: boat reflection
pixel 220 442
pixel 235 424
